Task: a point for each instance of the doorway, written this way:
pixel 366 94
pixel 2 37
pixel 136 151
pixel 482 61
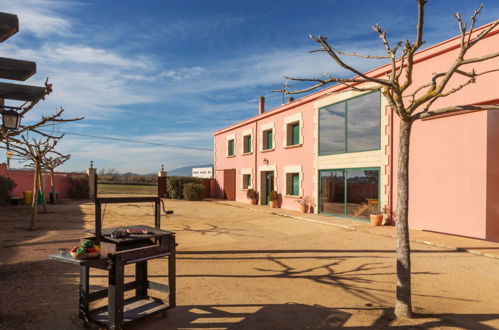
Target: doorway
pixel 267 186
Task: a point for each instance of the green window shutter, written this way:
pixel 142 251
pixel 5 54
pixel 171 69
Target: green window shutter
pixel 269 140
pixel 231 147
pixel 248 147
pixel 295 134
pixel 296 185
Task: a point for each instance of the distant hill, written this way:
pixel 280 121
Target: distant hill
pixel 185 171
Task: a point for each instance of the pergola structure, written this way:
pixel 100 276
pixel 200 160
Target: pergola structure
pixel 13 69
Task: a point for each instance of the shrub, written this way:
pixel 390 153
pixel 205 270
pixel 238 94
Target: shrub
pixel 193 191
pixel 175 185
pixel 6 187
pixel 78 187
pixel 252 194
pixel 273 196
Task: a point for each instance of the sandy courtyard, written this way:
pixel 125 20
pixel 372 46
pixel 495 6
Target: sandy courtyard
pixel 243 269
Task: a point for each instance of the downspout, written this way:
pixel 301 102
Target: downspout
pixel 390 201
pixel 255 179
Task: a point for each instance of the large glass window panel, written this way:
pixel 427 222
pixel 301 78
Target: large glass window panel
pixel 332 129
pixel 363 124
pixel 332 192
pixel 362 191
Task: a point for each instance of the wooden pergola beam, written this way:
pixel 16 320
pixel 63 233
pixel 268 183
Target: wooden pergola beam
pixel 20 92
pixel 16 69
pixel 9 25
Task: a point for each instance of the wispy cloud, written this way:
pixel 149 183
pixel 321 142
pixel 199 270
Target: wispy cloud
pixel 40 17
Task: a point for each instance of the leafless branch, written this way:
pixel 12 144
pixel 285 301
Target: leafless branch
pixel 451 109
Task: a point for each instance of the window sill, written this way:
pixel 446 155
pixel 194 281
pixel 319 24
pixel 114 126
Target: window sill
pixel 232 156
pixel 293 146
pixel 246 189
pixel 247 153
pixel 267 150
pixel 292 196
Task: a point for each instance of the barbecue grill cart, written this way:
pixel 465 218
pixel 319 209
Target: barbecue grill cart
pixel 123 246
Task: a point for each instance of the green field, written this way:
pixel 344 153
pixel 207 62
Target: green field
pixel 126 189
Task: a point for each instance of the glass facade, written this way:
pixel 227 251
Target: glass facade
pixel 350 126
pixel 349 192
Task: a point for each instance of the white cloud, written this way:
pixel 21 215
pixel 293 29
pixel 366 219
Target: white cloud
pixel 39 17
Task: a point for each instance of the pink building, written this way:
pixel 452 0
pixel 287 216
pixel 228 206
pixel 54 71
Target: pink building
pixel 339 147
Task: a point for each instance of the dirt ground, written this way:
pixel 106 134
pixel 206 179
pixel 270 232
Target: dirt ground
pixel 243 269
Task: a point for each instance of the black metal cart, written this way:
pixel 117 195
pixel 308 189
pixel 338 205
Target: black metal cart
pixel 118 249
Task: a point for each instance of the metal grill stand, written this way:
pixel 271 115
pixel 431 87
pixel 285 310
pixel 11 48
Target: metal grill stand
pixel 124 251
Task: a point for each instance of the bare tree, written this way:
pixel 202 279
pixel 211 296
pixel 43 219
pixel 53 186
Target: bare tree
pixel 35 151
pixel 51 162
pixel 43 122
pixel 410 103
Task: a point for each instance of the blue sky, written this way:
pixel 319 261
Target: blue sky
pixel 174 72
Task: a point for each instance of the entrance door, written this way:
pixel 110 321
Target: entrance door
pixel 269 185
pixel 230 184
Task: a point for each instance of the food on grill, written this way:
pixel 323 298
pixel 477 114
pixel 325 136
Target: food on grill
pixel 137 231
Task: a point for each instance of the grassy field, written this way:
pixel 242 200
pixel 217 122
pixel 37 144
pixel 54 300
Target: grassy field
pixel 126 189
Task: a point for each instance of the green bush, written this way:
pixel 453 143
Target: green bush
pixel 175 185
pixel 193 191
pixel 6 187
pixel 78 187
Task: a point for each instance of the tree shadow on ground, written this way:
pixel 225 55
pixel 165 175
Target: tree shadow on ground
pixel 293 316
pixel 33 288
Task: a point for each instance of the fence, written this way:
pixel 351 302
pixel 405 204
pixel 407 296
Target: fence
pixel 24 181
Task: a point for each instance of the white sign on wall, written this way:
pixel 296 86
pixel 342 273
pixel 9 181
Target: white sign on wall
pixel 202 172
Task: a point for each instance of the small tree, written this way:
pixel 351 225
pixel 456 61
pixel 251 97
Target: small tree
pixel 410 103
pixel 51 162
pixel 35 151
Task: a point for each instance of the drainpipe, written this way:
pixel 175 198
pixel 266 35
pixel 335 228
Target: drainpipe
pixel 390 197
pixel 255 151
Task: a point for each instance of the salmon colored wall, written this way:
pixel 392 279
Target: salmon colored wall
pixel 280 156
pixel 24 181
pixel 493 176
pixel 451 186
pixel 448 175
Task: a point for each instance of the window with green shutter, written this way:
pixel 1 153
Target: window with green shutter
pixel 296 184
pixel 293 134
pixel 247 144
pixel 292 184
pixel 230 148
pixel 268 136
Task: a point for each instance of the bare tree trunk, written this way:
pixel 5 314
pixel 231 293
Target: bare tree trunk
pixel 52 182
pixel 403 304
pixel 34 199
pixel 42 191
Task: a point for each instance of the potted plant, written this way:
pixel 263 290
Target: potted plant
pixel 305 203
pixel 273 198
pixel 376 214
pixel 252 195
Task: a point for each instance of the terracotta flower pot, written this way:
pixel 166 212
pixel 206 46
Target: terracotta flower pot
pixel 304 208
pixel 253 201
pixel 273 204
pixel 376 219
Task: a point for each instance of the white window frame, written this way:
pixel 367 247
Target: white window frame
pixel 245 133
pixel 296 118
pixel 247 171
pixel 264 128
pixel 292 169
pixel 227 139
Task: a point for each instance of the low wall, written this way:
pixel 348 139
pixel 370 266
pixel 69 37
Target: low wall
pixel 24 181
